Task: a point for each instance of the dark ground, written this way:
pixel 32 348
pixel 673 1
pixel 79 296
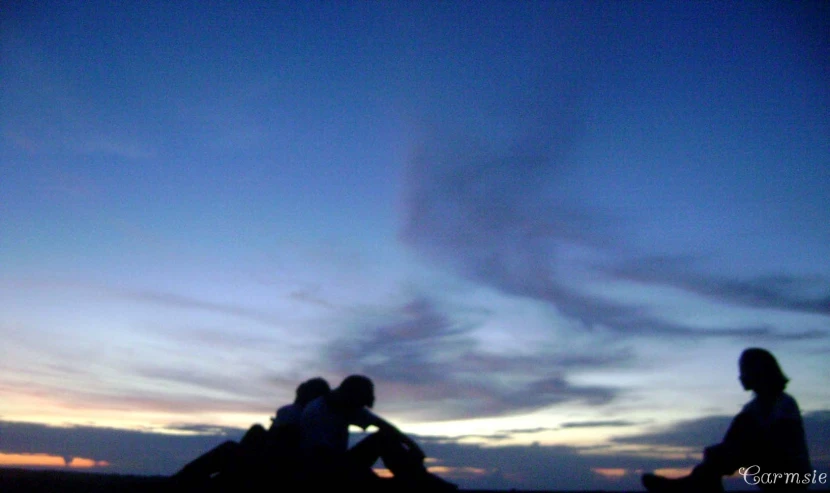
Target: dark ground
pixel 42 481
pixel 14 480
pixel 37 481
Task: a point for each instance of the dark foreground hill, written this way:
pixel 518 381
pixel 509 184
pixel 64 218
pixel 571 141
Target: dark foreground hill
pixel 42 481
pixel 37 481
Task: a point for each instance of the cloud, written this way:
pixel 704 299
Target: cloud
pixel 158 298
pixel 42 110
pixel 472 466
pixel 163 401
pixel 126 451
pixel 598 424
pixel 536 466
pixel 817 429
pixel 432 367
pixel 209 430
pixel 494 437
pixel 188 303
pixel 806 294
pixel 151 389
pixel 487 215
pixel 520 431
pixel 539 467
pixel 491 215
pixel 695 434
pixel 211 389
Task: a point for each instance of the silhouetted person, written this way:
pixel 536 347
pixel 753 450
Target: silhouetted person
pixel 306 392
pixel 259 451
pixel 324 429
pixel 766 436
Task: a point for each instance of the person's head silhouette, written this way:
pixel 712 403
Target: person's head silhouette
pixel 760 372
pixel 310 390
pixel 357 391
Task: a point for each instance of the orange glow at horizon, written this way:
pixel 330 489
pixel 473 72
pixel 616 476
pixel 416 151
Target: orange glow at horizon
pixel 610 472
pixel 455 470
pixel 46 460
pixel 673 472
pixel 36 460
pixel 451 472
pixel 84 463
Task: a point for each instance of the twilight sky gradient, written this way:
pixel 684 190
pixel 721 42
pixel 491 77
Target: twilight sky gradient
pixel 545 229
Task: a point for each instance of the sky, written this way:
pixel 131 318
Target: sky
pixel 546 230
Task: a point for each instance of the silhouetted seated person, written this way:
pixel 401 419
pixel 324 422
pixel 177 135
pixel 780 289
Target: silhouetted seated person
pixel 324 429
pixel 289 415
pixel 766 436
pixel 259 452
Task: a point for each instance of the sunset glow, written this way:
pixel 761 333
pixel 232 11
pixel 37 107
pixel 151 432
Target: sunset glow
pixel 31 460
pixel 610 472
pixel 48 461
pixel 546 230
pixel 676 472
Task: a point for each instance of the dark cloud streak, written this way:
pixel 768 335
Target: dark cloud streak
pixel 440 371
pixel 489 215
pixel 598 424
pixel 786 292
pixel 189 303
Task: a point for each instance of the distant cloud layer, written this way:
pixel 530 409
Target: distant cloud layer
pixel 126 451
pixel 472 466
pixel 698 433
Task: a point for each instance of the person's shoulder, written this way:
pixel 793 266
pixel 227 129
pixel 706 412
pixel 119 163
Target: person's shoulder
pixel 317 409
pixel 315 405
pixel 365 412
pixel 787 404
pixel 364 418
pixel 785 397
pixel 288 408
pixel 289 413
pixel 751 406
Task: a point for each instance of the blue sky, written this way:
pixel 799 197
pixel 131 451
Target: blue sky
pixel 545 229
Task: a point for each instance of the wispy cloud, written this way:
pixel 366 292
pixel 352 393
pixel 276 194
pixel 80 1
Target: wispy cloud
pixel 434 368
pixel 157 298
pixel 190 303
pixel 613 423
pixel 531 431
pixel 807 294
pixel 123 148
pixel 209 430
pixel 202 385
pixel 44 112
pixel 485 215
pixel 491 215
